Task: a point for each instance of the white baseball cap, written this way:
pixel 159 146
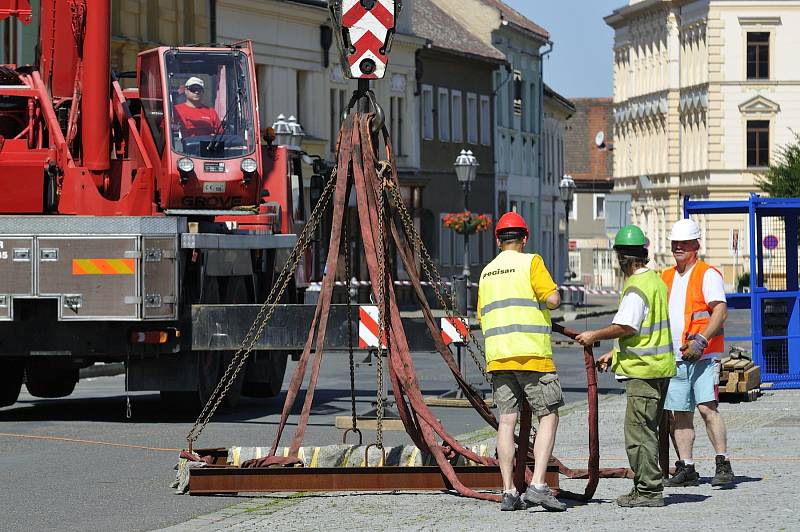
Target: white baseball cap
pixel 194 80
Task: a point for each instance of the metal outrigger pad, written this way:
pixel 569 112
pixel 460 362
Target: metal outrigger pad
pixel 364 30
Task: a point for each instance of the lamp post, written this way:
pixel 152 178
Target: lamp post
pixel 567 189
pixel 283 131
pixel 466 166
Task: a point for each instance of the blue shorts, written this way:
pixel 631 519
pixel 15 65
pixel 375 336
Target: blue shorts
pixel 694 383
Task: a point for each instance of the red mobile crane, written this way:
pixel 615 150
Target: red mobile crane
pixel 115 217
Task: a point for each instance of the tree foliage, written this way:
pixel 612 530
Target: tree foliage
pixel 782 180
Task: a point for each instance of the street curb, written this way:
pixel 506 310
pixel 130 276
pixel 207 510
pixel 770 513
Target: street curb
pixel 103 370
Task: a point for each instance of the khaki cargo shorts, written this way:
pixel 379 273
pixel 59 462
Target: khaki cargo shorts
pixel 542 390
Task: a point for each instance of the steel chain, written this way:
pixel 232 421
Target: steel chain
pixel 347 274
pixel 264 314
pixel 383 336
pixel 435 278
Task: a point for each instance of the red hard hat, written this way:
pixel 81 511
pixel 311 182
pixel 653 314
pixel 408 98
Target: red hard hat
pixel 510 220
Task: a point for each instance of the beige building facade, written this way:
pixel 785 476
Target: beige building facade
pixel 705 93
pixel 138 25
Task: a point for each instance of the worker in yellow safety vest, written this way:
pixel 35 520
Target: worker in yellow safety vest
pixel 643 357
pixel 515 295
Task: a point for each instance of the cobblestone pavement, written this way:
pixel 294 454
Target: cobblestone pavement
pixel 765 454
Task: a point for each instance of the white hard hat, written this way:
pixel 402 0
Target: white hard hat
pixel 686 229
pixel 194 80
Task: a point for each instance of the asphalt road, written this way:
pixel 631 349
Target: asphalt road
pixel 50 483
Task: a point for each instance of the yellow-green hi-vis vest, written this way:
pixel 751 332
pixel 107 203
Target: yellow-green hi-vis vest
pixel 514 323
pixel 647 354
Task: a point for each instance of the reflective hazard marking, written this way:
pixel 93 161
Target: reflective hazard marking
pixel 103 266
pixel 454 330
pixel 368 326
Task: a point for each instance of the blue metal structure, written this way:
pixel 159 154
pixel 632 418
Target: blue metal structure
pixel 774 314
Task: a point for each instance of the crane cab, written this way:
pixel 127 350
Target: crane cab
pixel 200 121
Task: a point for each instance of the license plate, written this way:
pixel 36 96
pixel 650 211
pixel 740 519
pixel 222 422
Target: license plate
pixel 218 168
pixel 211 187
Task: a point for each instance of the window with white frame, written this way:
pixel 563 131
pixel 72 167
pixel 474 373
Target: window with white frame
pixel 599 206
pixel 443 110
pixel 486 124
pixel 456 111
pixel 573 208
pixel 427 112
pixel 575 263
pixel 472 118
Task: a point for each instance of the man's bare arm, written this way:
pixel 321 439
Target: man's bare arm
pixel 606 333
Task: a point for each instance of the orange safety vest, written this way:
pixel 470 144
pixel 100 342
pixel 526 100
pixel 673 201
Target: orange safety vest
pixel 696 313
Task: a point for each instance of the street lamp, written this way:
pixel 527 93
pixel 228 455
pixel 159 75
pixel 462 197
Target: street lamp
pixel 283 131
pixel 466 166
pixel 297 132
pixel 567 189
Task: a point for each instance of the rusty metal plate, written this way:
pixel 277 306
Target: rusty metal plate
pixel 218 480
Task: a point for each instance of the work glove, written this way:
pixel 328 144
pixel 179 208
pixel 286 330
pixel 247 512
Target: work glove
pixel 693 348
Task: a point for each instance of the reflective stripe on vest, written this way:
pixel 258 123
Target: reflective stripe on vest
pixel 514 322
pixel 663 324
pixel 539 329
pixel 648 353
pixel 512 302
pixel 696 313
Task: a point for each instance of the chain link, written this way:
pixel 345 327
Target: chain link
pixel 347 274
pixel 383 336
pixel 435 278
pixel 264 314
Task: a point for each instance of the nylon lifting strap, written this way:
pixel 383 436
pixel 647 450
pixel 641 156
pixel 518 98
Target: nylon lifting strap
pixel 358 167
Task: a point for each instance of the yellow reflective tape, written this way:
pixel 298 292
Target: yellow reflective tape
pixel 346 457
pixel 314 457
pixel 236 454
pixel 301 455
pixel 103 266
pixel 412 460
pixel 285 452
pixel 258 452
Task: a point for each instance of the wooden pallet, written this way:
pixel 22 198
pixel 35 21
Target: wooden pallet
pixel 739 380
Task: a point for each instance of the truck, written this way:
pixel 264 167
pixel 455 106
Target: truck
pixel 119 211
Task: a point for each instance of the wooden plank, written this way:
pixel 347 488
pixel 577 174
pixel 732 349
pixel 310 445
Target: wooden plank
pixel 743 364
pixel 733 380
pixel 452 402
pixel 346 422
pixel 750 380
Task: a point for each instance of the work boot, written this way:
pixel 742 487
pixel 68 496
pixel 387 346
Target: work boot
pixel 511 502
pixel 724 473
pixel 685 475
pixel 543 498
pixel 635 499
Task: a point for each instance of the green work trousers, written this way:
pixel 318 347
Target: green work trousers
pixel 642 420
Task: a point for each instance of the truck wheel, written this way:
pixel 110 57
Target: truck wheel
pixel 236 292
pixel 266 377
pixel 50 382
pixel 11 382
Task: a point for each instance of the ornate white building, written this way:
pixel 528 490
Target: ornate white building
pixel 705 92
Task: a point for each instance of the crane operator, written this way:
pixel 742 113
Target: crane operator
pixel 195 118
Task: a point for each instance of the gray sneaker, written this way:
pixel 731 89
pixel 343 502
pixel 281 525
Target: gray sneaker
pixel 511 502
pixel 543 498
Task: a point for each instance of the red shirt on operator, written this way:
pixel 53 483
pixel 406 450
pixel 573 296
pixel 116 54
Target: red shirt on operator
pixel 196 119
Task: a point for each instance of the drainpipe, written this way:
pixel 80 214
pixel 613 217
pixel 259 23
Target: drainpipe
pixel 540 140
pixel 212 21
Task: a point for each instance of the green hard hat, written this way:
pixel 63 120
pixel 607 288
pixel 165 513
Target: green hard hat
pixel 630 235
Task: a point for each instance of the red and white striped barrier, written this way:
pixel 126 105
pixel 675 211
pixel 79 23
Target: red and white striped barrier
pixel 355 283
pixel 368 326
pixel 454 330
